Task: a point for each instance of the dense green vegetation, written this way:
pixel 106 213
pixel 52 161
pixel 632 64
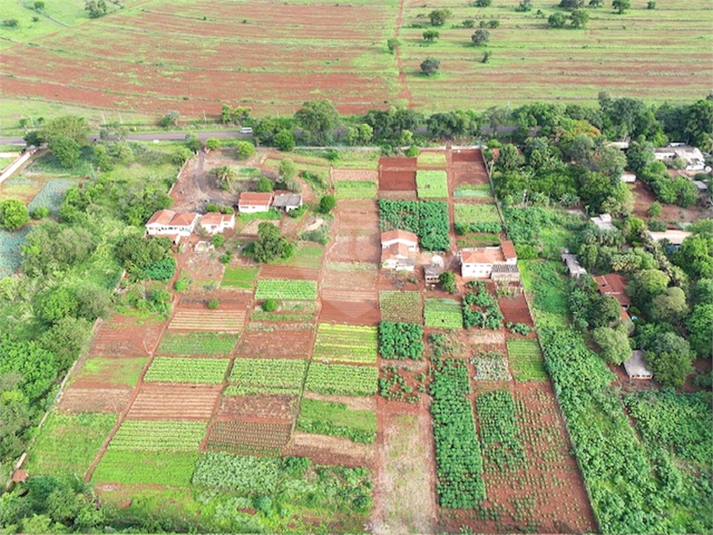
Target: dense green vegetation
pixel 292 290
pixel 400 340
pixel 480 309
pixel 281 376
pixel 498 428
pixel 158 435
pixel 401 306
pixel 187 370
pixel 345 343
pixel 443 313
pixel 336 419
pixel 174 343
pixel 427 219
pixel 432 184
pixel 341 379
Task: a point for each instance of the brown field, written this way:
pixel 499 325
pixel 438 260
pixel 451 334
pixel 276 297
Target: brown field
pixel 76 400
pixel 174 402
pixel 357 217
pixel 345 282
pixel 398 162
pixel 397 180
pixel 269 406
pixel 331 450
pixel 229 321
pixel 351 296
pixel 355 249
pixel 515 310
pixel 276 343
pixel 126 336
pixel 350 312
pixel 248 436
pixel 361 175
pixel 468 167
pixel 399 195
pixel 270 271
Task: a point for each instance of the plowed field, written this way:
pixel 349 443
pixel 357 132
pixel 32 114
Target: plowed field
pixel 77 400
pixel 362 175
pixel 350 312
pixel 174 402
pixel 268 406
pixel 515 310
pixel 249 437
pixel 269 271
pixel 276 344
pixel 121 336
pixel 229 321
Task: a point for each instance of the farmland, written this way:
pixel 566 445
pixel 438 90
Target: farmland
pixel 157 436
pixel 345 343
pixel 336 419
pixel 239 277
pixel 432 184
pixel 293 290
pixel 197 344
pixel 403 306
pixel 443 313
pixel 341 379
pixel 268 375
pixel 348 189
pixel 186 370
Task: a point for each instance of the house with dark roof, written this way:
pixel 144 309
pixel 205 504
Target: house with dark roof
pixel 287 201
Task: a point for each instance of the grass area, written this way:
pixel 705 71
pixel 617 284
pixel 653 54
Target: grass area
pixel 432 184
pixel 477 191
pixel 443 313
pixel 526 360
pixel 239 277
pixel 54 17
pixel 196 344
pixel 336 419
pixel 478 239
pixel 114 372
pixel 548 291
pixel 271 214
pixel 342 379
pixel 280 376
pixel 473 214
pixel 158 435
pixel 287 311
pixel 288 290
pixel 354 189
pixel 345 343
pixel 68 443
pixel 405 307
pixel 307 256
pixel 145 468
pixel 187 370
pixel 432 159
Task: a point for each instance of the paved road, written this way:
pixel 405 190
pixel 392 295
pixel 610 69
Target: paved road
pixel 203 135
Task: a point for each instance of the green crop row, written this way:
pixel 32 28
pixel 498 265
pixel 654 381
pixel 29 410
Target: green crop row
pixel 345 343
pixel 269 375
pixel 145 468
pixel 476 218
pixel 472 190
pixel 432 184
pixel 354 189
pixel 526 359
pixel 499 430
pixel 158 435
pixel 443 313
pixel 197 344
pixel 239 277
pixel 336 419
pixel 342 379
pixel 288 290
pixel 459 464
pixel 186 370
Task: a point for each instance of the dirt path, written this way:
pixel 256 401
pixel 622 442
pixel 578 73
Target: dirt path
pixel 405 92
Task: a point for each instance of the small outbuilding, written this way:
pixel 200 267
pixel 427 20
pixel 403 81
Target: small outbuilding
pixel 287 201
pixel 431 272
pixel 628 178
pixel 636 366
pixel 574 268
pixel 614 285
pixel 251 202
pixel 672 237
pixel 505 272
pixel 603 222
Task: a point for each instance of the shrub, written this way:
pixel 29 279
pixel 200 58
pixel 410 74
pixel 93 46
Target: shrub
pixel 245 149
pixel 270 305
pixel 213 303
pixel 218 240
pixel 13 214
pixel 327 203
pixel 40 213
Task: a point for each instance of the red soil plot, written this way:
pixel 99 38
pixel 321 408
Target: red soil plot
pixel 276 343
pixel 350 281
pixel 229 299
pixel 126 336
pixel 174 402
pixel 357 217
pixel 515 310
pixel 332 451
pixel 350 312
pixel 249 437
pixel 397 180
pixel 355 249
pixel 269 406
pixel 269 271
pixel 190 319
pixel 397 162
pixel 467 156
pixel 399 195
pixel 77 400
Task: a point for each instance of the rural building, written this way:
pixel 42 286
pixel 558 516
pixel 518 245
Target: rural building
pixel 505 272
pixel 628 178
pixel 498 263
pixel 409 239
pixel 621 145
pixel 672 237
pixel 214 223
pixel 574 268
pixel 614 285
pixel 287 201
pixel 251 202
pixel 399 257
pixel 691 155
pixel 702 186
pixel 172 224
pixel 636 367
pixel 603 222
pixel 431 272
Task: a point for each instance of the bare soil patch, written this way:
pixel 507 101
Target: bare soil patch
pixel 355 281
pixel 467 156
pixel 358 175
pixel 331 450
pixel 397 179
pixel 643 197
pixel 350 312
pixel 515 310
pixel 270 271
pixel 192 319
pixel 398 162
pixel 358 217
pixel 355 249
pixel 200 268
pixel 174 402
pixel 399 195
pixel 349 295
pixel 126 336
pixel 276 343
pixel 76 400
pixel 272 406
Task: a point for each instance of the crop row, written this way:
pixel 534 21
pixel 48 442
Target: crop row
pixel 490 366
pixel 342 379
pixel 352 189
pixel 197 344
pixel 526 359
pixel 443 313
pixel 289 290
pixel 499 430
pixel 266 438
pixel 345 343
pixel 400 340
pixel 401 306
pixel 269 375
pixel 187 370
pixel 476 218
pixel 427 219
pixel 158 435
pixel 239 277
pixel 458 459
pixel 472 190
pixel 432 184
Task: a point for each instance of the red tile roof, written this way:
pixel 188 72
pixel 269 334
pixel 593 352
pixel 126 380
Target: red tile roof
pixel 508 250
pixel 397 250
pixel 482 255
pixel 184 219
pixel 399 235
pixel 214 218
pixel 253 198
pixel 613 284
pixel 162 218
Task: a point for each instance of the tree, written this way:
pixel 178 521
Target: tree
pixel 226 114
pixel 639 156
pixel 654 209
pixel 285 140
pixel 696 256
pixel 264 185
pixel 392 44
pixel 58 303
pixel 579 18
pixel 650 4
pixel 669 306
pixel 245 149
pixel 468 23
pixel 430 66
pixel 318 118
pixel 70 126
pixel 269 305
pixel 486 56
pixel 96 8
pixel 170 119
pixel 212 143
pixel 431 35
pixel 603 310
pixel 36 367
pixel 11 23
pixel 13 214
pixel 613 343
pixel 270 245
pixel 241 114
pixel 647 284
pixel 509 158
pixel 438 17
pixel 360 135
pixel 327 203
pixel 700 328
pixel 669 357
pixel 621 5
pixel 480 37
pixel 702 292
pixel 571 4
pixel 192 142
pixel 225 176
pixel 447 279
pixel 557 20
pixel 38 5
pixel 524 6
pixel 288 169
pixel 66 339
pixel 66 150
pixel 482 3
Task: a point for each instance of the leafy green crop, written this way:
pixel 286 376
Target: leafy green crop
pixel 432 184
pixel 197 344
pixel 268 375
pixel 345 343
pixel 342 379
pixel 443 313
pixel 526 360
pixel 427 219
pixel 400 340
pixel 187 370
pixel 288 290
pixel 480 309
pixel 158 435
pixel 499 430
pixel 401 306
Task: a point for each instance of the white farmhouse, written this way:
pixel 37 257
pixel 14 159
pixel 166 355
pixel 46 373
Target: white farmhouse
pixel 215 223
pixel 251 202
pixel 172 224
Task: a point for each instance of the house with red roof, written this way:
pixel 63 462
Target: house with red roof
pixel 215 223
pixel 251 202
pixel 170 224
pixel 398 250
